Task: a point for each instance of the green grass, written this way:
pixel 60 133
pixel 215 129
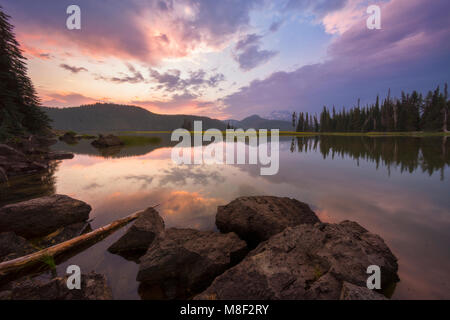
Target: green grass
pixel 49 261
pixel 348 134
pixel 135 141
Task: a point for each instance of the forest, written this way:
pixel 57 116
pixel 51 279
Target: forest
pixel 411 113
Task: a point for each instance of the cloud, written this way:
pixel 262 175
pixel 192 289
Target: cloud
pixel 406 54
pixel 171 80
pixel 275 26
pixel 135 77
pixel 35 52
pixel 68 99
pixel 317 7
pixel 248 53
pixel 182 175
pixel 147 31
pixel 72 69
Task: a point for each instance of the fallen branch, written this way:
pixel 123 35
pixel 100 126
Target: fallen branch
pixel 35 260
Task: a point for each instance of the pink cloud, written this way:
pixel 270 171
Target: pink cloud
pixel 68 99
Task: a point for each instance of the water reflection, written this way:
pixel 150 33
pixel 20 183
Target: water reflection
pixel 394 186
pixel 407 154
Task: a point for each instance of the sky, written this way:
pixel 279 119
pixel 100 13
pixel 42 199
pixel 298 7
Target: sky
pixel 230 59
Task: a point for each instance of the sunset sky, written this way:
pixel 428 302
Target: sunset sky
pixel 231 58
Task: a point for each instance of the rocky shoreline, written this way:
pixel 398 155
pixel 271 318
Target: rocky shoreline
pixel 28 155
pixel 267 248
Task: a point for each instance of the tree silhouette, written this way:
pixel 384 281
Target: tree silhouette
pixel 19 105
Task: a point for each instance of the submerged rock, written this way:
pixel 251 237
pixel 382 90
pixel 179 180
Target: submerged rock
pixel 69 138
pixel 13 246
pixel 256 219
pixel 107 141
pixel 42 216
pixel 64 234
pixel 135 242
pixel 93 287
pixel 186 261
pixel 306 262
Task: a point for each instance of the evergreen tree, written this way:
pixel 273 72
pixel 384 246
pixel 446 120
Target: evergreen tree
pixel 445 108
pixel 19 105
pixel 294 120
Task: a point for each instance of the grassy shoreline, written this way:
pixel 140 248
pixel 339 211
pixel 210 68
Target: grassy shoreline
pixel 349 134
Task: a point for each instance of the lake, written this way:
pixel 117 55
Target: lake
pixel 396 187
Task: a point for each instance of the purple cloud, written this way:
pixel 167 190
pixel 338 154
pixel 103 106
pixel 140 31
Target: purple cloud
pixel 408 53
pixel 317 7
pixel 171 80
pixel 135 77
pixel 72 69
pixel 248 53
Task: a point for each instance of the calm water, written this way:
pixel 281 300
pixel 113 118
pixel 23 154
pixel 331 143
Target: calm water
pixel 396 187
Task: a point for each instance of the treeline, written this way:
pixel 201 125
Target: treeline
pixel 19 105
pixel 412 112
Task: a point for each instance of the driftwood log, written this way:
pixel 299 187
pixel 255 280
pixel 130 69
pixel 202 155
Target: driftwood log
pixel 33 262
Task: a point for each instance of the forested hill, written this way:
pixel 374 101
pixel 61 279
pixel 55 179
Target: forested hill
pixel 111 117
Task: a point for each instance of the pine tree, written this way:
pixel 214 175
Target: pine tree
pixel 294 120
pixel 445 105
pixel 20 111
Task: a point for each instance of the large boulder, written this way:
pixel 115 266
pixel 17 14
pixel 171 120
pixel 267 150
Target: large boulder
pixel 107 141
pixel 306 262
pixel 13 246
pixel 93 287
pixel 256 219
pixel 42 216
pixel 135 242
pixel 186 261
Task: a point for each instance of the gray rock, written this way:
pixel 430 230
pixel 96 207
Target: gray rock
pixel 352 292
pixel 186 261
pixel 107 141
pixel 306 262
pixel 42 216
pixel 3 176
pixel 135 242
pixel 69 138
pixel 8 151
pixel 13 246
pixel 256 219
pixel 59 155
pixel 16 163
pixel 93 287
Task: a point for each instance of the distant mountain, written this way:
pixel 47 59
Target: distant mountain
pixel 256 122
pixel 284 115
pixel 111 117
